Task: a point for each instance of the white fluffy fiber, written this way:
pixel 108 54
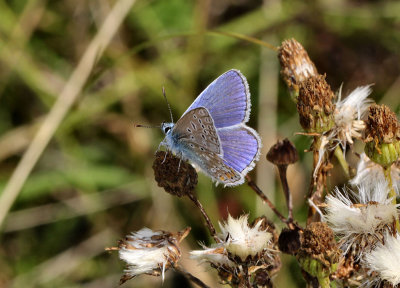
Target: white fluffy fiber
pixel 369 173
pixel 348 220
pixel 348 115
pixel 216 255
pixel 385 259
pixel 144 259
pixel 243 240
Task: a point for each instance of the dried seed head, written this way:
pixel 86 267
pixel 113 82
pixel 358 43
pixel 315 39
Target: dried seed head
pixel 296 66
pixel 349 115
pixel 176 176
pixel 360 223
pixel 383 261
pixel 319 254
pixel 243 240
pixel 318 239
pixel 243 245
pixel 315 106
pixel 283 153
pixel 382 135
pixel 290 241
pixel 382 125
pixel 150 252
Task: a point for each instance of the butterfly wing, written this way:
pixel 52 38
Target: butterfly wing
pixel 228 149
pixel 241 147
pixel 227 99
pixel 196 127
pixel 198 141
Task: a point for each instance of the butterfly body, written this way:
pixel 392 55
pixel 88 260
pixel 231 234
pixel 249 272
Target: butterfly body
pixel 212 133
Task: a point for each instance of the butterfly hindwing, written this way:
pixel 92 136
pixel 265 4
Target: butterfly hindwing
pixel 241 147
pixel 214 166
pixel 229 91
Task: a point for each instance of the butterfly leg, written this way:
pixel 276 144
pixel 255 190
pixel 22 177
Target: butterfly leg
pixel 165 157
pixel 162 143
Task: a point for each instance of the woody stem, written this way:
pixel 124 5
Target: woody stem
pixel 210 226
pixel 264 197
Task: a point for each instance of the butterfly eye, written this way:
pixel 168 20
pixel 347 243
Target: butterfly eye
pixel 166 129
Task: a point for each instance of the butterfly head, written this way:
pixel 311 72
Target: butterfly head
pixel 167 127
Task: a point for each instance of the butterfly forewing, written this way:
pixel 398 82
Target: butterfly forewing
pixel 227 99
pixel 196 127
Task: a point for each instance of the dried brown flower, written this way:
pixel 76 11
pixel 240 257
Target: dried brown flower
pixel 176 176
pixel 319 244
pixel 382 125
pixel 382 135
pixel 283 153
pixel 296 66
pixel 315 105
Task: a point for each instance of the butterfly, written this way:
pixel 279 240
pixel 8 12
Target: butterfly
pixel 212 134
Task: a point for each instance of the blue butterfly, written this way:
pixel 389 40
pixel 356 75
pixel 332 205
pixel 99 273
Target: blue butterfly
pixel 212 133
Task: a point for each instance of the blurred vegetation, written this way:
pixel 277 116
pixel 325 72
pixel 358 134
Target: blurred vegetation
pixel 94 184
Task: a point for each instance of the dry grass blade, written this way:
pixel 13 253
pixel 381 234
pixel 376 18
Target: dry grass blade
pixel 64 262
pixel 77 206
pixel 63 104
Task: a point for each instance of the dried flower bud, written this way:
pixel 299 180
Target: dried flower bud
pixel 315 106
pixel 283 153
pixel 150 252
pixel 296 66
pixel 382 135
pixel 319 254
pixel 290 241
pixel 176 176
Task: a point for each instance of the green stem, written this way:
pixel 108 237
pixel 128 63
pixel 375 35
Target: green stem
pixel 392 194
pixel 388 176
pixel 340 157
pixel 324 282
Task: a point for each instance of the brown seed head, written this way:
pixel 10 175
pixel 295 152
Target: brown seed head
pixel 319 243
pixel 382 125
pixel 283 153
pixel 315 105
pixel 296 66
pixel 176 176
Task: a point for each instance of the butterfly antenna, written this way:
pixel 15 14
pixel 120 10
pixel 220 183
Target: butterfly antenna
pixel 145 126
pixel 169 107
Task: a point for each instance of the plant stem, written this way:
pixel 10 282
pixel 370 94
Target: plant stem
pixel 191 277
pixel 210 226
pixel 324 282
pixel 342 161
pixel 264 197
pixel 392 194
pixel 285 186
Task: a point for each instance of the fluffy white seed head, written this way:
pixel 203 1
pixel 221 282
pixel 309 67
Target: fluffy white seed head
pixel 369 214
pixel 385 259
pixel 150 252
pixel 242 240
pixel 349 113
pixel 216 255
pixel 369 173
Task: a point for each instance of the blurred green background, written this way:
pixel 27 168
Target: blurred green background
pixel 93 183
